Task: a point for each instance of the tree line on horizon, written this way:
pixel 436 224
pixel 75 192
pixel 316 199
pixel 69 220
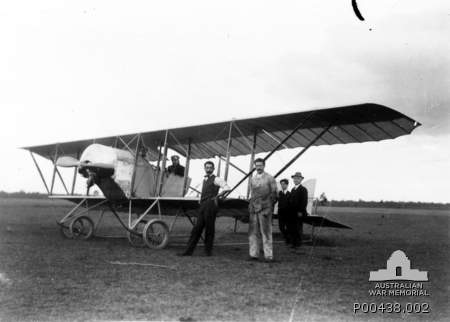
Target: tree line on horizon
pixel 328 203
pixel 388 204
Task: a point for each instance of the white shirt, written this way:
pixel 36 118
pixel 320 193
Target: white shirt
pixel 296 186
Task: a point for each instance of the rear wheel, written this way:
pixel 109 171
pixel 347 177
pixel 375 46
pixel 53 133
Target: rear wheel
pixel 82 228
pixel 137 240
pixel 156 234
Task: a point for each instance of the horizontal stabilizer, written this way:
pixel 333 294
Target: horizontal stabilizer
pixel 319 221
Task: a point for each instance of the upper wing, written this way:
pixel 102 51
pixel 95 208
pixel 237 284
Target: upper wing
pixel 349 124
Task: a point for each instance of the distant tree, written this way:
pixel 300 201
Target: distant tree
pixel 22 194
pixel 390 204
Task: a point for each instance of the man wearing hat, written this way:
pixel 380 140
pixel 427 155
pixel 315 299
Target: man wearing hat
pixel 176 168
pixel 298 200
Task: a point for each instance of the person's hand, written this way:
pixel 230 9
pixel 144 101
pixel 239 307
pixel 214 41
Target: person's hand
pixel 222 195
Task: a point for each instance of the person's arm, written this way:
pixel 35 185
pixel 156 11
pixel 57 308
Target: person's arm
pixel 304 200
pixel 223 185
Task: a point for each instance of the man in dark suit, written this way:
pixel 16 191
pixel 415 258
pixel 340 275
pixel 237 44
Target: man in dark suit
pixel 176 168
pixel 283 209
pixel 298 200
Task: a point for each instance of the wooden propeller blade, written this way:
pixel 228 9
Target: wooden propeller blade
pixel 67 162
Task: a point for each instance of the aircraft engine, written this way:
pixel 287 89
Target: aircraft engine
pixel 111 169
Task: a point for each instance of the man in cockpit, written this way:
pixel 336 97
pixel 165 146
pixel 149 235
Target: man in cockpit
pixel 176 168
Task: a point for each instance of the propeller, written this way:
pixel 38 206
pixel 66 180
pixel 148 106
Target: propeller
pixel 67 162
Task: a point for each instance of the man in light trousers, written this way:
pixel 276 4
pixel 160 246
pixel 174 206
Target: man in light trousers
pixel 263 197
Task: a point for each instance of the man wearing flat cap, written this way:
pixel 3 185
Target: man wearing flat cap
pixel 176 168
pixel 298 200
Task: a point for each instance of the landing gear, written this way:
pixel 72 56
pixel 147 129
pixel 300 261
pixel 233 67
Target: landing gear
pixel 136 238
pixel 156 234
pixel 65 231
pixel 82 228
pixel 141 232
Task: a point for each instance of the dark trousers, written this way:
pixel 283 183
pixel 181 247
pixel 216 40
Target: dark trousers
pixel 295 229
pixel 206 219
pixel 283 216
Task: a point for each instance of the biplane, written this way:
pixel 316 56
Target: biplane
pixel 130 170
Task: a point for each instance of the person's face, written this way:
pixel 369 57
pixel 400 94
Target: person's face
pixel 259 166
pixel 209 168
pixel 297 180
pixel 175 161
pixel 284 185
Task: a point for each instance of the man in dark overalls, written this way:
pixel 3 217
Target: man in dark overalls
pixel 207 211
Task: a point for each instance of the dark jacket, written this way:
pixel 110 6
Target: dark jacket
pixel 176 169
pixel 298 200
pixel 283 201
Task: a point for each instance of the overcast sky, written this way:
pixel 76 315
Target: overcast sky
pixel 82 69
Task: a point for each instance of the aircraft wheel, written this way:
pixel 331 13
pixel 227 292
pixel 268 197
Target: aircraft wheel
pixel 156 234
pixel 82 228
pixel 137 240
pixel 65 231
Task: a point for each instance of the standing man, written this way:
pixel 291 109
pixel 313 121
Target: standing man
pixel 176 168
pixel 283 209
pixel 298 201
pixel 263 197
pixel 207 211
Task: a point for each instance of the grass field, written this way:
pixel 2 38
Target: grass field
pixel 46 277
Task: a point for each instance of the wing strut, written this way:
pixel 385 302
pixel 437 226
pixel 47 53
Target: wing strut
pixel 252 159
pixel 163 166
pixel 74 178
pixel 136 159
pixel 302 151
pixel 54 169
pixel 228 154
pixel 40 172
pixel 186 169
pixel 273 151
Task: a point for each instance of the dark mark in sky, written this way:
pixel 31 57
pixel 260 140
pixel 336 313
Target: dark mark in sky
pixel 356 10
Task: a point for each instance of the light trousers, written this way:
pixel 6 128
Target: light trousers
pixel 260 233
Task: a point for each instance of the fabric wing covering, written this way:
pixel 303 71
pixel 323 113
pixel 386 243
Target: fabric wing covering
pixel 347 124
